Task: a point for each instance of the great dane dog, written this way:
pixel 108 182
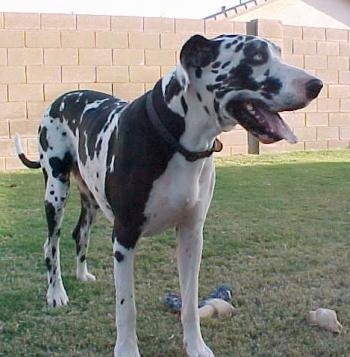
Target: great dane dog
pixel 148 165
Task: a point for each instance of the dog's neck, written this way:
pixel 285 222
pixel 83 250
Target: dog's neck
pixel 201 122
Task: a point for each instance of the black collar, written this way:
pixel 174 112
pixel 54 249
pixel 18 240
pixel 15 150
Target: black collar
pixel 170 140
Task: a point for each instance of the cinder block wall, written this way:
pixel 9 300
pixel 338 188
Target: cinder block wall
pixel 45 55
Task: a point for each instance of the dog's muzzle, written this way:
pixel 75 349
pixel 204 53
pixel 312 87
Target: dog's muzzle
pixel 266 125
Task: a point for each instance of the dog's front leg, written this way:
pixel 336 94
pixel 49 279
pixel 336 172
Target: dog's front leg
pixel 126 345
pixel 189 253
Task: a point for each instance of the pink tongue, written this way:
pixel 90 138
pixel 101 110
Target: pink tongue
pixel 275 124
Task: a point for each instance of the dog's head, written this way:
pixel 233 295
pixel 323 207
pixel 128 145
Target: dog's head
pixel 243 80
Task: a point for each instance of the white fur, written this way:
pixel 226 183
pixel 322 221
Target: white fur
pixel 18 144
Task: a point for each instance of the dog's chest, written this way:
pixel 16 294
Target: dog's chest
pixel 174 195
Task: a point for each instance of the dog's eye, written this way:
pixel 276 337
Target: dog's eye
pixel 258 57
pixel 256 53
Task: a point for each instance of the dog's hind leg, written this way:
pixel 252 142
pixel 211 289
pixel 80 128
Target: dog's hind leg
pixel 57 188
pixel 81 235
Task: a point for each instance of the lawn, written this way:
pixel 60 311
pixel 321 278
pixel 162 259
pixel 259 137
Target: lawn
pixel 277 232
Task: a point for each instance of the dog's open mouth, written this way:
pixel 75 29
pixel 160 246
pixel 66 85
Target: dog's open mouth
pixel 267 126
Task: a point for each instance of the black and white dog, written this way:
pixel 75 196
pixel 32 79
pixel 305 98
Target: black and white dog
pixel 148 165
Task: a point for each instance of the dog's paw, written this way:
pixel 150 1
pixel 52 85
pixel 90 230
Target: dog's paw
pixel 126 351
pixel 56 295
pixel 199 349
pixel 83 274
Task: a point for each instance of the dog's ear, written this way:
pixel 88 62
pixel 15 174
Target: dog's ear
pixel 198 51
pixel 182 77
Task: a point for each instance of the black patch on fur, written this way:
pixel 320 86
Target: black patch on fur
pixel 110 152
pixel 61 167
pixel 225 64
pixel 239 47
pixel 141 156
pixel 184 104
pixel 82 149
pixel 212 87
pixel 50 217
pixel 221 77
pixel 206 109
pixel 241 77
pixel 222 92
pixel 119 256
pixel 227 36
pixel 48 264
pixel 216 106
pixel 53 251
pixel 172 89
pixel 256 53
pixel 122 301
pixel 45 176
pixel 43 139
pixel 199 97
pixel 271 85
pixel 82 258
pixel 98 147
pixel 267 95
pixel 249 38
pixel 198 72
pixel 216 64
pixel 85 203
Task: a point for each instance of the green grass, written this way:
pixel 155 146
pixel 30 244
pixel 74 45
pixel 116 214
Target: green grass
pixel 277 231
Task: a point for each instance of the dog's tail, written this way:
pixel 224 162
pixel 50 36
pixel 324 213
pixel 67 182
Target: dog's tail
pixel 29 163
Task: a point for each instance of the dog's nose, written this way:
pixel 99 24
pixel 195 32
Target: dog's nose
pixel 313 88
